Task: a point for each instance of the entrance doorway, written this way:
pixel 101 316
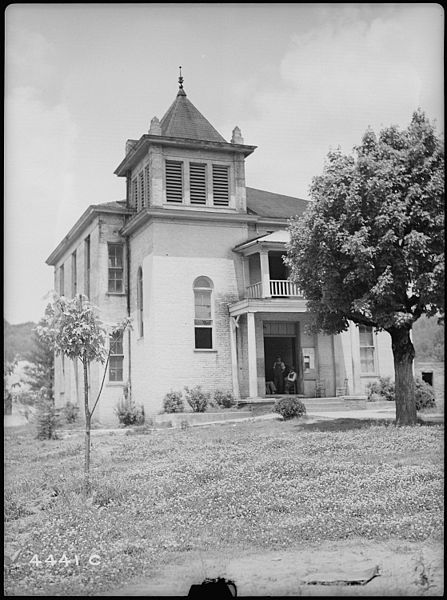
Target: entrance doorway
pixel 282 339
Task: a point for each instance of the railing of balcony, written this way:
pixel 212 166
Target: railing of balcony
pixel 255 290
pixel 283 287
pixel 278 288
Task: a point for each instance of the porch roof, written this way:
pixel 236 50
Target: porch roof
pixel 276 239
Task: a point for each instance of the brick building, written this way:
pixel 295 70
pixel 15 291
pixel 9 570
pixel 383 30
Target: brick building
pixel 194 256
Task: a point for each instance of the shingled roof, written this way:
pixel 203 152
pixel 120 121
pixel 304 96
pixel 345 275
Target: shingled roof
pixel 183 120
pixel 269 204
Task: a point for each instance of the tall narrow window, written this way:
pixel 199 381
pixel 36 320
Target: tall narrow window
pixel 74 275
pixel 87 266
pixel 203 317
pixel 140 190
pixel 220 185
pixel 174 181
pixel 197 183
pixel 367 350
pixel 116 268
pixel 140 301
pixel 116 358
pixel 61 281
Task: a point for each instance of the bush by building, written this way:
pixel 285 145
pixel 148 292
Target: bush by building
pixel 289 408
pixel 173 402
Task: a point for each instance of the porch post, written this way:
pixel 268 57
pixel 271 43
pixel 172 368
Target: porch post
pixel 265 273
pixel 252 371
pixel 233 348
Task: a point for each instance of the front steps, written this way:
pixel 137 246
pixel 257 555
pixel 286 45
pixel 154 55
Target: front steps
pixel 313 405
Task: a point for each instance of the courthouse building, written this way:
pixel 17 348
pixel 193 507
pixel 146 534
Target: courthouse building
pixel 194 256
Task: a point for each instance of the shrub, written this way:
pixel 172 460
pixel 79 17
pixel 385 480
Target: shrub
pixel 197 399
pixel 71 412
pixel 384 390
pixel 129 413
pixel 47 420
pixel 224 399
pixel 424 394
pixel 381 390
pixel 173 403
pixel 289 408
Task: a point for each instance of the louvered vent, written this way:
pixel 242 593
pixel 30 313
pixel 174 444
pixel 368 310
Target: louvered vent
pixel 174 181
pixel 146 186
pixel 197 183
pixel 220 185
pixel 140 191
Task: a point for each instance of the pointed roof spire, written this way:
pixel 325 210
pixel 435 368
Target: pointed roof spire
pixel 181 91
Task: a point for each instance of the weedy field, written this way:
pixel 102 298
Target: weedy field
pixel 230 489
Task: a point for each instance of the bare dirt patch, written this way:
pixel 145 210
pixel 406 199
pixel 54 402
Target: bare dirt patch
pixel 406 569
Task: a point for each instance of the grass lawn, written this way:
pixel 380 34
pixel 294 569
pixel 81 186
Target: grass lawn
pixel 226 489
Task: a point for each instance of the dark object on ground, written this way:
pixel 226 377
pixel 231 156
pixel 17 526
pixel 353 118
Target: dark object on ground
pixel 343 577
pixel 213 588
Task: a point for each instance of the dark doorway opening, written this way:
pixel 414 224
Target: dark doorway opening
pixel 427 376
pixel 285 347
pixel 278 269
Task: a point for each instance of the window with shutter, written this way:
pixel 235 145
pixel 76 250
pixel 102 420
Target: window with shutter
pixel 197 183
pixel 220 185
pixel 174 181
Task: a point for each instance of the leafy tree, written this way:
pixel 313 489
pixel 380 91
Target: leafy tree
pixel 40 374
pixel 73 328
pixel 370 249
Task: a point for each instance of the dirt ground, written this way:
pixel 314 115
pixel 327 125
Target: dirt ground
pixel 406 569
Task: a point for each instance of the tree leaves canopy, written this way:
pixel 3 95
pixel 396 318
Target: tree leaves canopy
pixel 370 249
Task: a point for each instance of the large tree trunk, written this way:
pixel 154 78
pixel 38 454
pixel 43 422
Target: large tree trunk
pixel 403 352
pixel 87 433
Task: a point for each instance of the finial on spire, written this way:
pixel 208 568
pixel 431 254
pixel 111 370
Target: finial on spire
pixel 180 80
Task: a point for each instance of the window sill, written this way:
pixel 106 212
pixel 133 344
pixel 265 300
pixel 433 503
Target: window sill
pixel 115 384
pixel 205 350
pixel 116 293
pixel 369 375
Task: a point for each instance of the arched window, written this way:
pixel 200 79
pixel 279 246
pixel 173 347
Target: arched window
pixel 140 301
pixel 203 313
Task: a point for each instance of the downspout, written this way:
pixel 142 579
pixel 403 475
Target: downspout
pixel 128 314
pixel 128 289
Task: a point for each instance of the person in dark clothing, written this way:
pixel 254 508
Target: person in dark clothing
pixel 278 375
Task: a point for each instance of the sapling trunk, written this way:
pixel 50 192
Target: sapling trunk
pixel 87 432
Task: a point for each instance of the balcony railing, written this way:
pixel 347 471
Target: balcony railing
pixel 283 287
pixel 279 288
pixel 255 290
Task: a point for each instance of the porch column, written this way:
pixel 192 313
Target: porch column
pixel 252 371
pixel 265 273
pixel 233 348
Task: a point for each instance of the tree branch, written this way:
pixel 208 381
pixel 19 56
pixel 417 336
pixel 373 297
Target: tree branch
pixel 102 383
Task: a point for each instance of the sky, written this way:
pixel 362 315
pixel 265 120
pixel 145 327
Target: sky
pixel 298 79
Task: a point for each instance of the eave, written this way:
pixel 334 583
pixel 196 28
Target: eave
pixel 146 140
pixel 81 224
